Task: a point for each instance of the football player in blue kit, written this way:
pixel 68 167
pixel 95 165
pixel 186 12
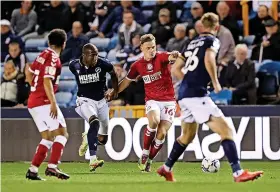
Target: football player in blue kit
pixel 196 68
pixel 90 73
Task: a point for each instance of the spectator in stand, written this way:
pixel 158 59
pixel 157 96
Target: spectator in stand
pixel 135 54
pixel 17 56
pixel 7 36
pixel 100 14
pixel 240 77
pixel 256 26
pixel 257 3
pixel 198 27
pixel 24 20
pixel 176 43
pixel 164 4
pixel 14 89
pixel 50 18
pixel 114 19
pixel 209 5
pixel 127 31
pixel 197 12
pixel 163 28
pixel 228 21
pixel 226 51
pixel 121 73
pixel 73 12
pixel 271 41
pixel 76 40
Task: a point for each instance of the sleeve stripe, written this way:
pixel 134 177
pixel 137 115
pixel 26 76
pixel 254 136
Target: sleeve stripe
pixel 49 76
pixel 130 79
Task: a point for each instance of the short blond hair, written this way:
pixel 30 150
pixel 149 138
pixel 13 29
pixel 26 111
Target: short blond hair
pixel 147 38
pixel 210 20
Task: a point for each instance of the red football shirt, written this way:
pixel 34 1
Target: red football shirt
pixel 46 65
pixel 156 75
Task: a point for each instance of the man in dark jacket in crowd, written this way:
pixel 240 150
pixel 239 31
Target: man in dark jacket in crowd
pixel 256 25
pixel 76 40
pixel 240 77
pixel 114 20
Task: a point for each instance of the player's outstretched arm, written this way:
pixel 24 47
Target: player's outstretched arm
pixel 176 69
pixel 210 64
pixel 124 84
pixel 48 86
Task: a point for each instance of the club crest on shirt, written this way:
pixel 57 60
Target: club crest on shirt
pixel 97 70
pixel 149 67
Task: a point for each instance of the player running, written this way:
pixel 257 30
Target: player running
pixel 196 69
pixel 43 76
pixel 90 72
pixel 154 68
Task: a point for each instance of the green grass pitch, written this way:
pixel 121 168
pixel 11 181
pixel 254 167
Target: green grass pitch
pixel 125 177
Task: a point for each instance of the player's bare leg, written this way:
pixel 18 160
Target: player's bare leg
pixel 188 133
pixel 40 155
pixel 157 143
pixel 84 145
pixel 220 126
pixel 149 135
pixel 61 137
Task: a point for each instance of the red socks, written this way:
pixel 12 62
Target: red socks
pixel 57 150
pixel 41 154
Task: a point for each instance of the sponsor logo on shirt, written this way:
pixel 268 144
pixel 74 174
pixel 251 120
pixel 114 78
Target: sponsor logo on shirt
pixel 153 77
pixel 89 78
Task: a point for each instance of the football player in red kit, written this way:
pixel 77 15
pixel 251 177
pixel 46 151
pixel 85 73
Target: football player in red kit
pixel 43 76
pixel 154 68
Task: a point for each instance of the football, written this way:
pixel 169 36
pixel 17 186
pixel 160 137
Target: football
pixel 210 165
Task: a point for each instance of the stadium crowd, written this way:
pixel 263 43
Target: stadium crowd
pixel 248 67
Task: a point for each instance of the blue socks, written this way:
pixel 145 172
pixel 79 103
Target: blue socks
pixel 176 152
pixel 92 137
pixel 231 154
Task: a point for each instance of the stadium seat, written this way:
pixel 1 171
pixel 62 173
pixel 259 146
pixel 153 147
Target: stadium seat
pixel 67 86
pixel 73 101
pixel 268 88
pixel 100 43
pixel 148 4
pixel 102 54
pixel 178 13
pixel 66 74
pixel 268 83
pixel 222 98
pixel 112 55
pixel 248 40
pixel 63 98
pixel 270 67
pixel 31 56
pixel 147 13
pixel 32 45
pixel 146 28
